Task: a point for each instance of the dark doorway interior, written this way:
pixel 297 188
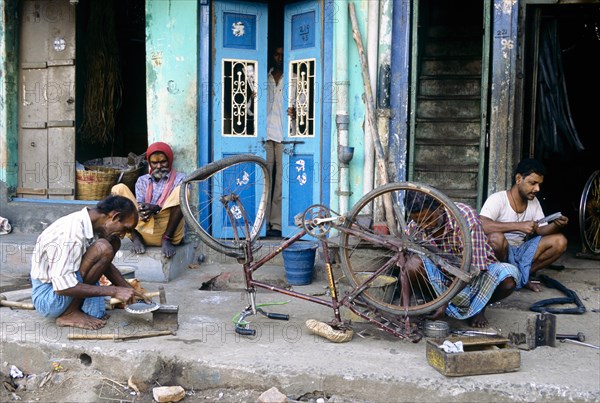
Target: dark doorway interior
pixel 130 128
pixel 578 34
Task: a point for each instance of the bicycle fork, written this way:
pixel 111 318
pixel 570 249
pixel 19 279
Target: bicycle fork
pixel 242 327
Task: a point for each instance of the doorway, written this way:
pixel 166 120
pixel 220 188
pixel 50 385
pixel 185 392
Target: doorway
pixel 245 36
pixel 82 70
pixel 124 21
pixel 571 32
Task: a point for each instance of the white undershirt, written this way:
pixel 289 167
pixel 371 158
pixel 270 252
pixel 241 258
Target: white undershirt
pixel 497 208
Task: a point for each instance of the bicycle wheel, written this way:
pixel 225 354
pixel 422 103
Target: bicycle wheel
pixel 232 195
pixel 589 214
pixel 397 223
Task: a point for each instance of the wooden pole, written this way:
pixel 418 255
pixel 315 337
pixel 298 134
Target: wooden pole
pixel 370 105
pixel 117 337
pixel 369 102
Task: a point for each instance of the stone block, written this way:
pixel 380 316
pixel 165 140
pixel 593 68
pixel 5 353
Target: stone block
pixel 152 266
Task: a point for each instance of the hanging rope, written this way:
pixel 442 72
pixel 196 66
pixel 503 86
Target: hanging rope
pixel 103 86
pixel 556 129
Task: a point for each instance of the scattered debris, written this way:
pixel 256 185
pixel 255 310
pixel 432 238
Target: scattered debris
pixel 132 385
pixel 168 393
pixel 273 395
pixel 15 372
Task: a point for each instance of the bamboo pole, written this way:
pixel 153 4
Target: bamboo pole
pixel 369 102
pixel 115 336
pixel 370 105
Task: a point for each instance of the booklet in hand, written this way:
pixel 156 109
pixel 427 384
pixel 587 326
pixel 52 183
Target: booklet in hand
pixel 549 218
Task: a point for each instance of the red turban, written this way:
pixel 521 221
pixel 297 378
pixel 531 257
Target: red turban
pixel 161 147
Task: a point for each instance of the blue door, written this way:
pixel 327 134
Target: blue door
pixel 302 132
pixel 238 108
pixel 240 64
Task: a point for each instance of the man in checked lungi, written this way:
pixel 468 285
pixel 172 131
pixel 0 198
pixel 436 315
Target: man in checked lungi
pixel 495 280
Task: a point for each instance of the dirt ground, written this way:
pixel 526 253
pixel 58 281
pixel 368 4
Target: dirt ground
pixel 64 385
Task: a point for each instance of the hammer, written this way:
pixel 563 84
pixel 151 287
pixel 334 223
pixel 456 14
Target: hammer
pixel 579 336
pixel 13 304
pixel 160 293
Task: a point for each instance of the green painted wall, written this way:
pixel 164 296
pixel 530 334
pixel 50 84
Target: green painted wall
pixel 356 105
pixel 8 92
pixel 171 77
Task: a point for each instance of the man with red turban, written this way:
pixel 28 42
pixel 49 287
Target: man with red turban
pixel 157 197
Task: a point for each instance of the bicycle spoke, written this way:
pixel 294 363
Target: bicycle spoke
pixel 225 202
pixel 589 214
pixel 415 238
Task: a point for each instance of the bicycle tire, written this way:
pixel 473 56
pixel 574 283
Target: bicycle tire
pixel 361 257
pixel 239 179
pixel 589 214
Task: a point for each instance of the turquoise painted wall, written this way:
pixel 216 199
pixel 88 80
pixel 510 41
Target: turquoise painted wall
pixel 171 77
pixel 356 105
pixel 8 93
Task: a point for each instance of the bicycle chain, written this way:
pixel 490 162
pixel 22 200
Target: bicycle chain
pixel 387 322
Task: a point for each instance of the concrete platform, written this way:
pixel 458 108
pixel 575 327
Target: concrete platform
pixel 16 251
pixel 206 353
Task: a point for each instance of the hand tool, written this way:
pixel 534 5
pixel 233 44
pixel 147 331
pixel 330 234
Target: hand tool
pixel 115 336
pixel 579 336
pixel 114 301
pixel 580 343
pixel 13 304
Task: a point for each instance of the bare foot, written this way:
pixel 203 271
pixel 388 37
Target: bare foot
pixel 80 320
pixel 138 243
pixel 438 313
pixel 167 248
pixel 535 287
pixel 479 320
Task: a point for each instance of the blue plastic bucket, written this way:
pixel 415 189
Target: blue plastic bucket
pixel 299 263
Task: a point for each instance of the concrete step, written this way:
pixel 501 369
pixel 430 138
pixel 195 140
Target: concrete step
pixel 16 253
pixel 152 266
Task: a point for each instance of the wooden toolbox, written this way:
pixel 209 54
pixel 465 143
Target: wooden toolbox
pixel 482 355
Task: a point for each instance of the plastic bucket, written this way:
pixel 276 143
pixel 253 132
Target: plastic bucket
pixel 299 263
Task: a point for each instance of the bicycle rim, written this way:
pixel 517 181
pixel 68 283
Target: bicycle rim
pixel 394 232
pixel 589 214
pixel 225 202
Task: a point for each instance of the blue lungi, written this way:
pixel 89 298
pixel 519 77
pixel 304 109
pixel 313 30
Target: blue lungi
pixel 522 257
pixel 50 304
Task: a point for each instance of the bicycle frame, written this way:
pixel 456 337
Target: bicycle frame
pixel 350 300
pixel 416 221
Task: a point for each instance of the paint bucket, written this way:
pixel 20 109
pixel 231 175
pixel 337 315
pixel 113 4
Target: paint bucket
pixel 299 263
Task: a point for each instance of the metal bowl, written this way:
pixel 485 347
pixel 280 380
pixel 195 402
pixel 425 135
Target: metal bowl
pixel 437 329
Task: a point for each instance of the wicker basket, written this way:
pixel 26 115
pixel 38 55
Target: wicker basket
pixel 128 173
pixel 95 184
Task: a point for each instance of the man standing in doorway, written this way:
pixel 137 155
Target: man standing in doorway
pixel 274 146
